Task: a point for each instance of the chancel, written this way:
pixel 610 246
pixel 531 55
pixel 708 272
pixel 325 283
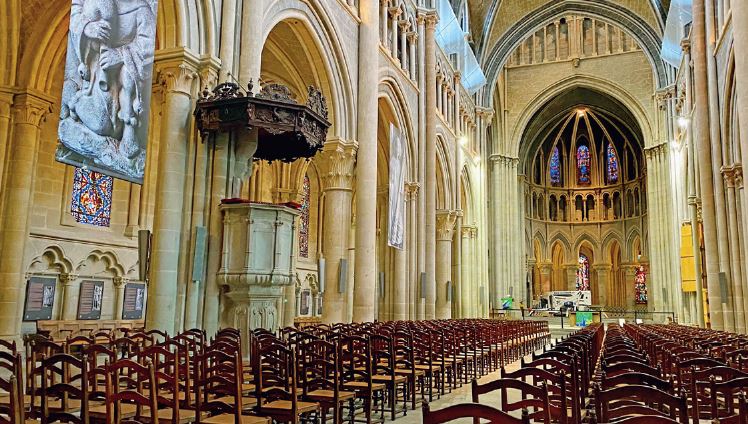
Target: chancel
pixel 255 211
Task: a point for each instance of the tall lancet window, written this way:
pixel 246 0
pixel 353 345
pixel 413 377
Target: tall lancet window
pixel 555 167
pixel 583 273
pixel 583 165
pixel 91 202
pixel 304 218
pixel 612 164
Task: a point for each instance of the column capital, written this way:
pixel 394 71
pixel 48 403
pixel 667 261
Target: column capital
pixel 210 66
pixel 177 69
pixel 728 174
pixel 67 279
pixel 504 160
pixel 602 267
pixel 30 108
pixel 395 12
pixel 120 281
pixel 445 224
pixel 545 268
pixel 685 45
pixel 469 231
pixel 337 164
pixel 412 36
pixel 485 113
pixel 738 169
pixel 430 19
pixel 411 190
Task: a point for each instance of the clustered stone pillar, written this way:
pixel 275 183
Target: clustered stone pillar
pixel 445 223
pixel 603 281
pixel 177 73
pixel 430 166
pixel 468 291
pixel 29 111
pixel 119 299
pixel 365 281
pixel 718 314
pixel 336 166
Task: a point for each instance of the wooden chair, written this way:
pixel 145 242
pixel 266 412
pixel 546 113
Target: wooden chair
pixel 127 399
pixel 530 397
pixel 559 393
pixel 64 397
pixel 471 410
pixel 724 396
pixel 166 388
pixel 12 405
pixel 320 378
pixel 276 385
pixel 630 400
pixel 357 374
pixel 218 395
pixel 384 372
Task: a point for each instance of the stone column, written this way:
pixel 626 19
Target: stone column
pixel 445 224
pixel 603 281
pixel 394 15
pixel 29 111
pixel 6 101
pixel 740 36
pixel 336 163
pixel 719 314
pixel 250 52
pixel 228 48
pixel 366 170
pixel 546 271
pixel 177 72
pixel 571 276
pixel 412 66
pixel 119 298
pixel 629 284
pixel 70 293
pixel 735 251
pixel 468 288
pixel 430 165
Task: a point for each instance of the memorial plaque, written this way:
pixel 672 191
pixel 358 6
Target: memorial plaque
pixel 40 298
pixel 134 301
pixel 90 298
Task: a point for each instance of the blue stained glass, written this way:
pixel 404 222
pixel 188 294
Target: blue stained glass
pixel 92 197
pixel 583 273
pixel 583 165
pixel 304 219
pixel 612 164
pixel 555 166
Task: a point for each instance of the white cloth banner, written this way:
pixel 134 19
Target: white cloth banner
pixel 106 93
pixel 396 216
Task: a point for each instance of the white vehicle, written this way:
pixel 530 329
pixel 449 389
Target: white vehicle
pixel 568 299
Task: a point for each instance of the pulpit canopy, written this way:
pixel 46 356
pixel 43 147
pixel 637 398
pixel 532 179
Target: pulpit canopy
pixel 287 130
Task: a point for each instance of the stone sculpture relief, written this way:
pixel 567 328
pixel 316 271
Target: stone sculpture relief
pixel 106 93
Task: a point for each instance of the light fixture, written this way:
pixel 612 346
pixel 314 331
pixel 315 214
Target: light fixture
pixel 463 140
pixel 580 113
pixel 683 122
pixel 477 159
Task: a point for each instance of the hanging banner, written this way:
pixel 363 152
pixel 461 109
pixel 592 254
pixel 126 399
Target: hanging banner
pixel 396 221
pixel 106 93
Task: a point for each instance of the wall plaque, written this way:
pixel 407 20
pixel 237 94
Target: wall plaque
pixel 40 298
pixel 90 298
pixel 134 301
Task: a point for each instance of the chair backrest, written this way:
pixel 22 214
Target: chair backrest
pixel 724 395
pixel 218 377
pixel 59 382
pixel 471 410
pixel 630 400
pixel 530 397
pixel 11 412
pixel 126 382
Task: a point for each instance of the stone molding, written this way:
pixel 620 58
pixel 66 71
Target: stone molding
pixel 337 163
pixel 177 69
pixel 67 280
pixel 445 224
pixel 210 67
pixel 30 109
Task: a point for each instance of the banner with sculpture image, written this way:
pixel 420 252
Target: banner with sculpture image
pixel 396 215
pixel 106 93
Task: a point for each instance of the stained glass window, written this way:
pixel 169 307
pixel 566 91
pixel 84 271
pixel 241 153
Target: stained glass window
pixel 641 286
pixel 583 165
pixel 92 197
pixel 304 219
pixel 612 164
pixel 555 166
pixel 583 273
